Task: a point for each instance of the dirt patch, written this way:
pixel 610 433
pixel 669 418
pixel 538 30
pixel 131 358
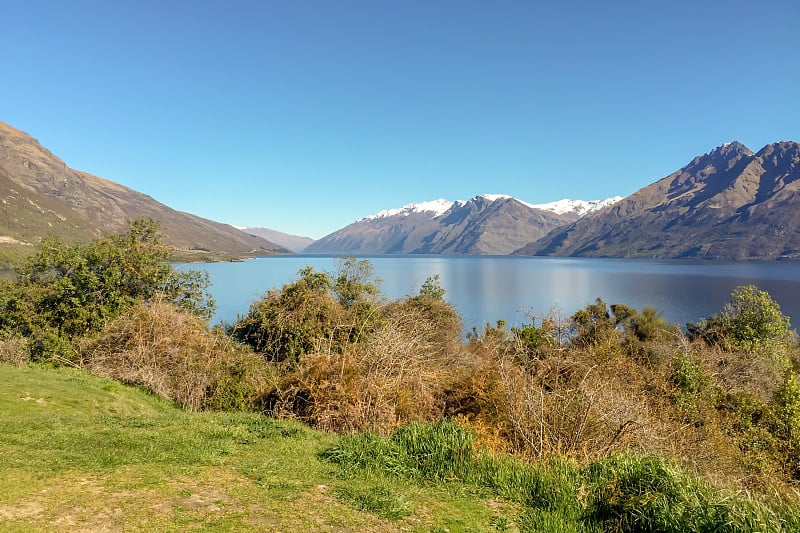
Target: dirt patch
pixel 40 401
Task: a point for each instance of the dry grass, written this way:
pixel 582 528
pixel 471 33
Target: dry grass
pixel 14 351
pixel 401 373
pixel 174 355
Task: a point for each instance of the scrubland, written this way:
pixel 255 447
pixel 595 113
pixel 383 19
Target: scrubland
pixel 328 406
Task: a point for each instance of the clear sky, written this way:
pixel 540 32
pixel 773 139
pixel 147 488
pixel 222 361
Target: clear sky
pixel 306 115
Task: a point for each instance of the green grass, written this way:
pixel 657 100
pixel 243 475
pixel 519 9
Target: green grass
pixel 620 493
pixel 84 453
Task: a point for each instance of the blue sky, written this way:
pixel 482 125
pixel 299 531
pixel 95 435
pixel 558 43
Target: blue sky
pixel 305 115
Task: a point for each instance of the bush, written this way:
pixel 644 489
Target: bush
pixel 317 313
pixel 751 321
pixel 66 291
pixel 594 325
pixel 401 372
pixel 173 354
pixel 303 317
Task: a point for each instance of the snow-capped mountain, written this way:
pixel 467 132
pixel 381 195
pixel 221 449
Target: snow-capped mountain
pixel 486 224
pixel 579 207
pixel 435 207
pixel 439 207
pixel 729 203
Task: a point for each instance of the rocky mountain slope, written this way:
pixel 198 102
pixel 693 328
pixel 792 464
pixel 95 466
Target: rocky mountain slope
pixel 484 225
pixel 294 243
pixel 730 203
pixel 40 195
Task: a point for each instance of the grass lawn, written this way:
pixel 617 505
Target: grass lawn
pixel 84 453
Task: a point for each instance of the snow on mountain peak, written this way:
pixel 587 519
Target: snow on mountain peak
pixel 438 207
pixel 493 197
pixel 435 207
pixel 580 207
pixel 560 207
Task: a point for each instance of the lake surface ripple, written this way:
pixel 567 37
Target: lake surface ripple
pixel 488 288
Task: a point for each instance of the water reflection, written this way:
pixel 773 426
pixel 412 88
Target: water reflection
pixel 485 289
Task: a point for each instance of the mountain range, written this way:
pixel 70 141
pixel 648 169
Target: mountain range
pixel 730 203
pixel 41 195
pixel 489 224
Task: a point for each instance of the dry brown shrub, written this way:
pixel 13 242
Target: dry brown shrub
pixel 559 405
pixel 400 374
pixel 176 356
pixel 14 351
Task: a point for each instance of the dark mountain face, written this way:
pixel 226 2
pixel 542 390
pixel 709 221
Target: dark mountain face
pixel 41 196
pixel 727 204
pixel 478 226
pixel 484 227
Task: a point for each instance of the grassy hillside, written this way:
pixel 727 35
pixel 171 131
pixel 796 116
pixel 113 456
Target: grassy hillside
pixel 85 453
pixel 42 196
pixel 82 452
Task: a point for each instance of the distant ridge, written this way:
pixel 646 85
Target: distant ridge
pixel 295 243
pixel 729 203
pixel 41 195
pixel 489 224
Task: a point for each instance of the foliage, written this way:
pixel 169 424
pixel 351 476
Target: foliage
pixel 174 355
pixel 318 313
pixel 621 492
pixel 594 324
pixel 534 341
pixel 432 288
pixel 788 406
pixel 354 282
pixel 66 291
pixel 296 320
pixel 645 325
pixel 599 324
pixel 689 382
pixel 400 372
pixel 751 321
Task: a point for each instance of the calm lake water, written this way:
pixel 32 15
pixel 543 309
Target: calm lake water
pixel 485 289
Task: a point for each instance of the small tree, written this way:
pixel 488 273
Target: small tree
pixel 593 324
pixel 750 321
pixel 432 288
pixel 292 321
pixel 70 290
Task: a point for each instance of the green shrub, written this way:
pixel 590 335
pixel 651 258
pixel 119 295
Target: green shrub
pixel 751 321
pixel 66 291
pixel 536 341
pixel 689 382
pixel 300 318
pixel 317 313
pixel 432 288
pixel 594 325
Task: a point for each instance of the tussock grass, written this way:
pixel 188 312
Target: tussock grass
pixel 173 354
pixel 621 492
pixel 14 351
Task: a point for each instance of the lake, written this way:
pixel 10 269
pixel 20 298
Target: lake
pixel 488 288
